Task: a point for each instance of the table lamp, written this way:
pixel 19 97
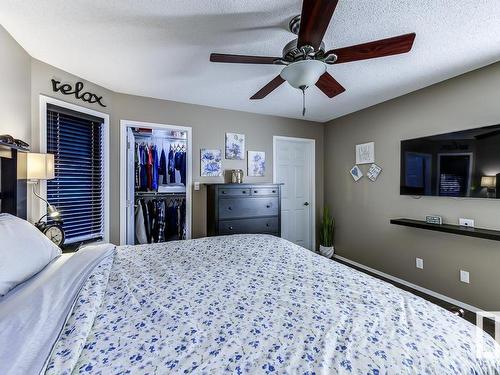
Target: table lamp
pixel 490 183
pixel 41 167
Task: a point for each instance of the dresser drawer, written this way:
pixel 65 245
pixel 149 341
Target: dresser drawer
pixel 232 208
pixel 256 191
pixel 225 192
pixel 258 225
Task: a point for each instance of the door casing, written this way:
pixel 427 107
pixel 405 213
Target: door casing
pixel 124 124
pixel 312 182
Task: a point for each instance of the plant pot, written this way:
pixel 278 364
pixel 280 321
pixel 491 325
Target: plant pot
pixel 326 251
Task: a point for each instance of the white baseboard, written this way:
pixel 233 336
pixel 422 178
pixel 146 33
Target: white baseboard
pixel 408 284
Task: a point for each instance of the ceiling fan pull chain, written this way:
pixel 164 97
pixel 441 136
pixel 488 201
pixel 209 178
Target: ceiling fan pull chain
pixel 303 102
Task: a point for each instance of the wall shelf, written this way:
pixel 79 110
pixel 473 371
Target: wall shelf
pixel 488 234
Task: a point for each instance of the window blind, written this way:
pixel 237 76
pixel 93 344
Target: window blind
pixel 76 140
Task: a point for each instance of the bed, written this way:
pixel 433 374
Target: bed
pixel 232 304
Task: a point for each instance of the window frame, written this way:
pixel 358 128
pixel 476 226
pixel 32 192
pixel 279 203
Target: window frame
pixel 42 209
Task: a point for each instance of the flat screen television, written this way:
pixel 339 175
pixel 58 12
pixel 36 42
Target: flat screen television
pixel 459 164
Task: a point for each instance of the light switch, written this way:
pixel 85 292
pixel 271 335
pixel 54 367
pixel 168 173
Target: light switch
pixel 196 185
pixel 464 276
pixel 419 263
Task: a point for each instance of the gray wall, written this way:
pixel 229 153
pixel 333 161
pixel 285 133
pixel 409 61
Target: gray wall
pixel 362 210
pixel 15 70
pixel 209 128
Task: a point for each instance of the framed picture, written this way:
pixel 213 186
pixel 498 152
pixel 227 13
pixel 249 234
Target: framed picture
pixel 365 153
pixel 356 173
pixel 211 162
pixel 235 146
pixel 373 172
pixel 256 163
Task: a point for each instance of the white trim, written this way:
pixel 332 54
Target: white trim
pixel 411 285
pixel 44 100
pixel 124 124
pixel 312 184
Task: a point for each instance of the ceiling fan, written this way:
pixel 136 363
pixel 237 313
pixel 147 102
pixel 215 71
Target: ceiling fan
pixel 305 58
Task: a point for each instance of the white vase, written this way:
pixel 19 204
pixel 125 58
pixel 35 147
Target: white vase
pixel 326 251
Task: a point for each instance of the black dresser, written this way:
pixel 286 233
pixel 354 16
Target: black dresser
pixel 243 208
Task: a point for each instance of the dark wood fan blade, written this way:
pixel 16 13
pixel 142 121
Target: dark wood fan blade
pixel 329 85
pixel 379 48
pixel 314 20
pixel 267 89
pixel 241 59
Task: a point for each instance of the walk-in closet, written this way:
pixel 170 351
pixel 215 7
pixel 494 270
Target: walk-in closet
pixel 157 180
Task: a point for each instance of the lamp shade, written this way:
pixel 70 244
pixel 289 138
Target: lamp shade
pixel 40 166
pixel 489 182
pixel 302 74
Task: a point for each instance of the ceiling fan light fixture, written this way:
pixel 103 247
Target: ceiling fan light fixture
pixel 303 73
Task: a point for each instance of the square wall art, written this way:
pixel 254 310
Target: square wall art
pixel 211 162
pixel 256 163
pixel 365 153
pixel 356 173
pixel 235 146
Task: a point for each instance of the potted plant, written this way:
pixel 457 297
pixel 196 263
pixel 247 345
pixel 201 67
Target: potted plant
pixel 326 234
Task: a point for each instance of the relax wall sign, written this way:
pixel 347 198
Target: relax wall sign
pixel 77 91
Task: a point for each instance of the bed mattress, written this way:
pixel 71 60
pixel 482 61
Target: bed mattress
pixel 253 304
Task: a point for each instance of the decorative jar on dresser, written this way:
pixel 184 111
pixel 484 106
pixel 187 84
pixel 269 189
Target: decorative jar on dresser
pixel 243 208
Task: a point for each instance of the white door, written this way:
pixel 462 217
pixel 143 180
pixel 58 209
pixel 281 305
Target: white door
pixel 130 187
pixel 294 167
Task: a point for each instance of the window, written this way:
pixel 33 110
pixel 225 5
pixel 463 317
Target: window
pixel 76 140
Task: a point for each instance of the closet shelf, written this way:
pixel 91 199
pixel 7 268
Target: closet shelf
pixel 158 193
pixel 169 138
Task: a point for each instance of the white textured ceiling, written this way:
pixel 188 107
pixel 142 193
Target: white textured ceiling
pixel 160 48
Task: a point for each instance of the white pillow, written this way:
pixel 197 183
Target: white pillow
pixel 24 251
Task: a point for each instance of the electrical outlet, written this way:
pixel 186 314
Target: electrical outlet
pixel 464 277
pixel 466 222
pixel 419 263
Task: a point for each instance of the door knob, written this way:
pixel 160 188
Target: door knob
pixel 306 203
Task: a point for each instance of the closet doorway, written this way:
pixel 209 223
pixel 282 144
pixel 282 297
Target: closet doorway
pixel 155 182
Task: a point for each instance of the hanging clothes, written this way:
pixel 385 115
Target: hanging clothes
pixel 171 221
pixel 160 213
pixel 179 164
pixel 143 160
pixel 182 168
pixel 154 167
pixel 145 214
pixel 149 167
pixel 137 167
pixel 171 166
pixel 163 167
pixel 153 224
pixel 183 220
pixel 140 228
pixel 159 220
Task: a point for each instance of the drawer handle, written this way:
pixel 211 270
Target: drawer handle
pixel 267 225
pixel 255 191
pixel 274 191
pixel 223 192
pixel 229 208
pixel 244 191
pixel 268 206
pixel 230 228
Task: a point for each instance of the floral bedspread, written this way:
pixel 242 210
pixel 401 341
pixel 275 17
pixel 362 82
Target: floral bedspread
pixel 257 304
